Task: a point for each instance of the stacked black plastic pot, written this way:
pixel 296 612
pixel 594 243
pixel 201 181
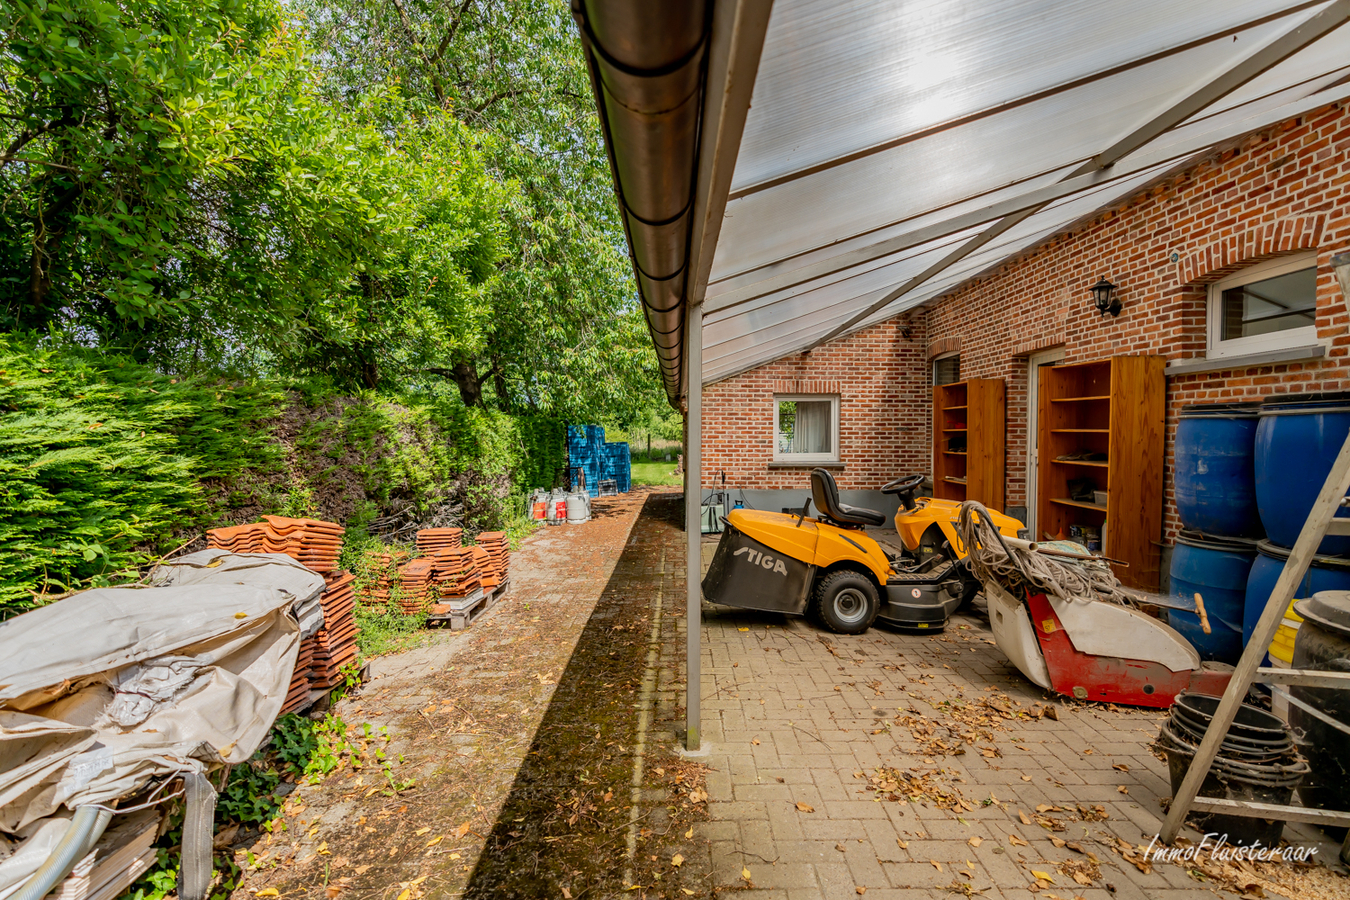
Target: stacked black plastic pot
pixel 1321 715
pixel 1257 761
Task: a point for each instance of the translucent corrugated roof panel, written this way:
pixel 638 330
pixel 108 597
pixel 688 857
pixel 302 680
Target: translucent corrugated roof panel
pixel 881 136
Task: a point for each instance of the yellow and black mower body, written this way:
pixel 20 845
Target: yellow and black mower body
pixel 829 568
pixel 932 523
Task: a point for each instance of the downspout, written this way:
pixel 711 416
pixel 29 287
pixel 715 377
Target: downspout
pixel 693 533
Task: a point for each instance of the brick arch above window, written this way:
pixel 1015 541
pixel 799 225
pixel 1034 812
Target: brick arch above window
pixel 1227 255
pixel 944 345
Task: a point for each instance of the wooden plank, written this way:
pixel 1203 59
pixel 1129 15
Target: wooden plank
pixel 117 885
pixel 116 861
pixel 1314 529
pixel 1079 504
pixel 941 466
pixel 1135 474
pixel 1303 677
pixel 1256 810
pixel 1049 416
pixel 460 619
pixel 986 444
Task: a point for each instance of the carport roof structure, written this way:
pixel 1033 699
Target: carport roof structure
pixel 799 169
pixel 793 171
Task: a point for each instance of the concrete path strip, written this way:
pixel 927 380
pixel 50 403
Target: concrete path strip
pixel 461 715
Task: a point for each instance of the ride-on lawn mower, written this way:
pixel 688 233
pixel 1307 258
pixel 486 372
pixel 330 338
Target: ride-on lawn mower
pixel 828 567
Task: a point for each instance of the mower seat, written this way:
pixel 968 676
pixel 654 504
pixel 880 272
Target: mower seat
pixel 825 494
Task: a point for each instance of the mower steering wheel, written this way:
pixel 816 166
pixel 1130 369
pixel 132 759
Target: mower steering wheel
pixel 905 489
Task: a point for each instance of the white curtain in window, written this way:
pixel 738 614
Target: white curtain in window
pixel 811 433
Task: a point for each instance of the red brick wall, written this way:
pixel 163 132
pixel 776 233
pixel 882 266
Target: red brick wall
pixel 882 379
pixel 1284 190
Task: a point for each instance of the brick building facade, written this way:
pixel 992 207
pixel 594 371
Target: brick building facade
pixel 1282 191
pixel 880 375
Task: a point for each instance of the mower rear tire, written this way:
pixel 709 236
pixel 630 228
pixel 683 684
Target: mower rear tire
pixel 845 602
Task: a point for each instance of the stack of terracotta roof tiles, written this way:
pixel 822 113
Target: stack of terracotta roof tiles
pixel 316 544
pixel 487 573
pixel 454 572
pixel 494 542
pixel 335 643
pixel 416 579
pixel 299 690
pixel 382 566
pixel 429 540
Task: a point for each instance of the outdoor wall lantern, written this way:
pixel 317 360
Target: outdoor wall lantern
pixel 1340 264
pixel 1103 293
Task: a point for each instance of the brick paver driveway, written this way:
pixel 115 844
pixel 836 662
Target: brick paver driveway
pixel 980 792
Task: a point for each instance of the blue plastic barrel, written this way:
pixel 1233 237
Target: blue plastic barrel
pixel 1327 573
pixel 1297 439
pixel 1216 569
pixel 1215 469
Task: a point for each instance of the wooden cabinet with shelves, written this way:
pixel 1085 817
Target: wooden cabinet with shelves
pixel 968 441
pixel 1101 459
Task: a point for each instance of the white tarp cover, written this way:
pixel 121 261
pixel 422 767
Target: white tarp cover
pixel 108 689
pixel 266 570
pixel 873 121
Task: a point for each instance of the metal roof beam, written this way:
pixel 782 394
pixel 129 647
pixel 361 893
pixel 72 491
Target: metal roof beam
pixel 1213 89
pixel 787 272
pixel 945 228
pixel 1328 89
pixel 737 43
pixel 738 30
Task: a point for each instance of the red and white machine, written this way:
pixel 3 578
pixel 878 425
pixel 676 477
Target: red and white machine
pixel 1092 650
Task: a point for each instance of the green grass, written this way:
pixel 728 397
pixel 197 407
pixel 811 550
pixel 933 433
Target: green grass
pixel 659 472
pixel 386 631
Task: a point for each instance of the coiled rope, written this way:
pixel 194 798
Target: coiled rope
pixel 1016 565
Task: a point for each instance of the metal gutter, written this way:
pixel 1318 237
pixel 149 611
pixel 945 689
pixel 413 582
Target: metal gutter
pixel 648 65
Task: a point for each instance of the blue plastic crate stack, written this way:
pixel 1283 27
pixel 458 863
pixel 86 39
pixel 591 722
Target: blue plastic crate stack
pixel 587 450
pixel 617 464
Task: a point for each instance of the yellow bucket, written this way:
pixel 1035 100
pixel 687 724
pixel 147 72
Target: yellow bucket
pixel 1282 648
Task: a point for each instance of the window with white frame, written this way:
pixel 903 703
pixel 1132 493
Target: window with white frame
pixel 1268 306
pixel 805 428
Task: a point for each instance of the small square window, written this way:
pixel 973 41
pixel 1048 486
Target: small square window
pixel 1269 306
pixel 806 428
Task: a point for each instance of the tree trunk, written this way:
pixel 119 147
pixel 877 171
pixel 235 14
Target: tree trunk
pixel 470 385
pixel 370 373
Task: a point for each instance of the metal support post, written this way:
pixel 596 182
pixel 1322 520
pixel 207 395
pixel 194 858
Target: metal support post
pixel 693 521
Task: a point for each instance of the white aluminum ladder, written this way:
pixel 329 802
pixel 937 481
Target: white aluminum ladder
pixel 1321 522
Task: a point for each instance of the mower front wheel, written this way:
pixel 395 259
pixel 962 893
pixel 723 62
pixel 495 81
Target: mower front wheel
pixel 845 602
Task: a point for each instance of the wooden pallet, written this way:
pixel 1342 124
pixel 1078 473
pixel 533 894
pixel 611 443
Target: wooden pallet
pixel 470 612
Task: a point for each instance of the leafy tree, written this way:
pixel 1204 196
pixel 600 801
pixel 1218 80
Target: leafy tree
pixel 420 294
pixel 562 330
pixel 171 162
pixel 397 194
